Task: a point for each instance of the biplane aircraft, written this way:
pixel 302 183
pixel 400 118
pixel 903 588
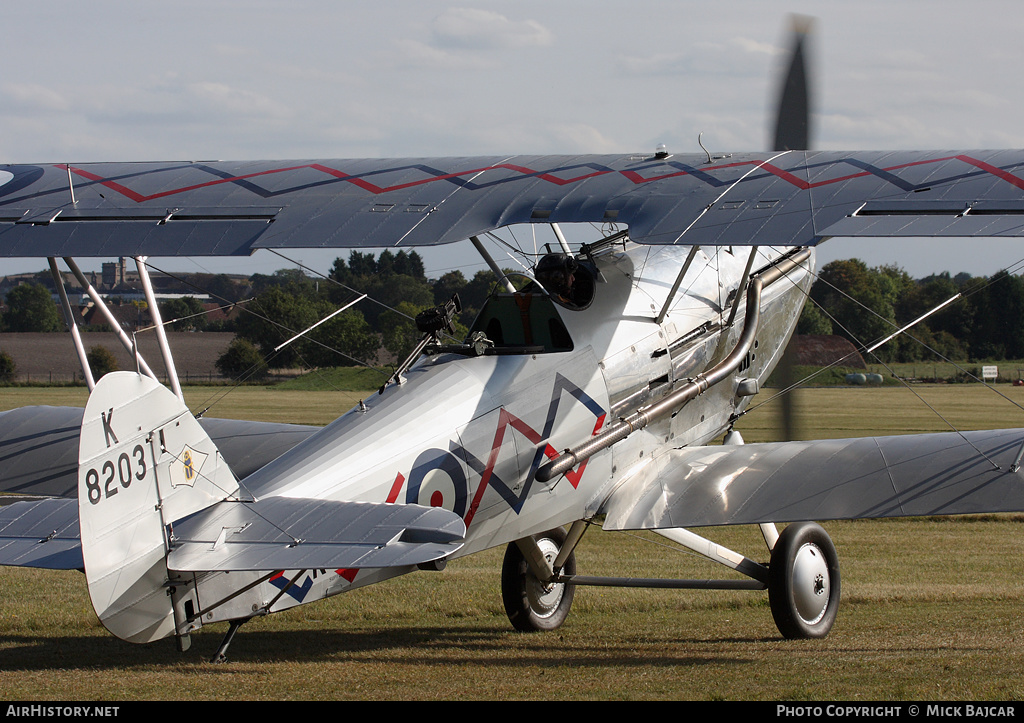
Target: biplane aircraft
pixel 594 390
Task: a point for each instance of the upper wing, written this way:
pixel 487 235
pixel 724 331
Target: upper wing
pixel 899 476
pixel 224 208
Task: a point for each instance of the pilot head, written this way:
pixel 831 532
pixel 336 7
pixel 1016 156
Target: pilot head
pixel 556 273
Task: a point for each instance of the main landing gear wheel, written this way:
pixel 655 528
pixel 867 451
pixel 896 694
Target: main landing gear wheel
pixel 531 605
pixel 803 582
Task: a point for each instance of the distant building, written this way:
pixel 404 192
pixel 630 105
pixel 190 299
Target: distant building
pixel 113 273
pixel 123 290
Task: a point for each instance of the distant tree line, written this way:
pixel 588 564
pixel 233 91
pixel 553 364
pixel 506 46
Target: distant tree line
pixel 849 298
pixel 381 325
pixel 274 307
pixel 29 307
pixel 867 304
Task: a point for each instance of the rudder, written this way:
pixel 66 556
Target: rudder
pixel 144 461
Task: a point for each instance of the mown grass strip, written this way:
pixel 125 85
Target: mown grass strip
pixel 931 608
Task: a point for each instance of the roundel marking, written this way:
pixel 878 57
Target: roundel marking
pixel 15 178
pixel 438 476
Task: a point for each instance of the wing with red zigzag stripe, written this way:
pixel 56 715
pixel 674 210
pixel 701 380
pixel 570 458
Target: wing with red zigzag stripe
pixel 226 208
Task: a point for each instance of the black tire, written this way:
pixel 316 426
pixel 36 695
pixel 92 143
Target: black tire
pixel 530 605
pixel 803 582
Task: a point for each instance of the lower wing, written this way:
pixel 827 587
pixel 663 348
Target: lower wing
pixel 898 476
pixel 39 448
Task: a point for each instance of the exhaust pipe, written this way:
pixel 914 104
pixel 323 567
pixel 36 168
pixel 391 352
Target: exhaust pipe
pixel 670 403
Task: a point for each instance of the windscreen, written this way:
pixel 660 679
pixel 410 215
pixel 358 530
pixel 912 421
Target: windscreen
pixel 524 321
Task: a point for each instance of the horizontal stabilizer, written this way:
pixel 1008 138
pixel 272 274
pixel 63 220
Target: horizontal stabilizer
pixel 42 533
pixel 282 533
pixel 832 479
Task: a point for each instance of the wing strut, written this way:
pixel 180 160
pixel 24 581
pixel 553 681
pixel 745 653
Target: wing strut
pixel 493 264
pixel 72 324
pixel 743 285
pixel 561 239
pixel 102 306
pixel 161 335
pixel 675 287
pixel 700 384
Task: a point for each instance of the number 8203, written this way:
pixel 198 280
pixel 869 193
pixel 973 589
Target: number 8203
pixel 114 475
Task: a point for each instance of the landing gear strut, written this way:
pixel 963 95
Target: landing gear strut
pixel 803 581
pixel 533 605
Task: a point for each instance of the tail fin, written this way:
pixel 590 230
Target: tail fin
pixel 143 462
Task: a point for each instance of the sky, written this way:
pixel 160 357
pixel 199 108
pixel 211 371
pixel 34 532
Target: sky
pixel 124 80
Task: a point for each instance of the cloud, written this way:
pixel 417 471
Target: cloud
pixel 737 56
pixel 224 98
pixel 757 47
pixel 30 97
pixel 542 136
pixel 413 53
pixel 473 28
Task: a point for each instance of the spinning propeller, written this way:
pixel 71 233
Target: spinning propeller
pixel 792 133
pixel 793 112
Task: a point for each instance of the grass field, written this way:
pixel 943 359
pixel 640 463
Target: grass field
pixel 931 608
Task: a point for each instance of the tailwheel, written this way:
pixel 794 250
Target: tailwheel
pixel 530 604
pixel 803 581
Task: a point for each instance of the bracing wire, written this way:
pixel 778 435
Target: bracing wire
pixel 866 348
pixel 216 398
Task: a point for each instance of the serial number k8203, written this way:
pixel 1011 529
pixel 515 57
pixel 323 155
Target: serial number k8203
pixel 114 475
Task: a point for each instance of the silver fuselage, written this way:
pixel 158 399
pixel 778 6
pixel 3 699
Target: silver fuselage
pixel 469 432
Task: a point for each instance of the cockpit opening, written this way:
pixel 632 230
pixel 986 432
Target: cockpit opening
pixel 569 282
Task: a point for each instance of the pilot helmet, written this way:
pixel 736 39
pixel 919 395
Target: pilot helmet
pixel 553 272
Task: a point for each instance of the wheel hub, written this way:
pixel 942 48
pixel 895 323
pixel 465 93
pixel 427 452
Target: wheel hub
pixel 545 597
pixel 810 583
